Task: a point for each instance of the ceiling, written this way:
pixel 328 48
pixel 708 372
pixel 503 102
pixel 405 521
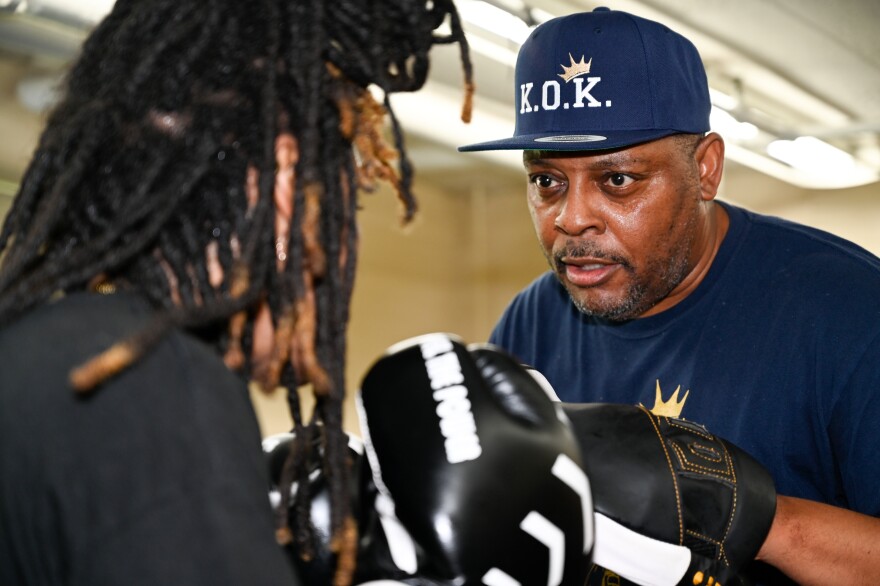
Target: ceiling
pixel 796 67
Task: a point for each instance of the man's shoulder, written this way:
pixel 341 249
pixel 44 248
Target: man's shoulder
pixel 67 322
pixel 814 276
pixel 40 347
pixel 793 256
pixel 84 310
pixel 70 328
pixel 781 237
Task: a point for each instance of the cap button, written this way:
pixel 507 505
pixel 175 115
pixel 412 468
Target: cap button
pixel 601 9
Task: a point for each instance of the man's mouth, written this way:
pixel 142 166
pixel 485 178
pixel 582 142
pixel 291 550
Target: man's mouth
pixel 588 266
pixel 584 264
pixel 587 273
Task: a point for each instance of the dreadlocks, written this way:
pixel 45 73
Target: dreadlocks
pixel 186 126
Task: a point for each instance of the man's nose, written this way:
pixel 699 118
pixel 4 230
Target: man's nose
pixel 581 211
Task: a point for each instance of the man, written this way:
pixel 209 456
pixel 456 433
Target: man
pixel 187 223
pixel 765 331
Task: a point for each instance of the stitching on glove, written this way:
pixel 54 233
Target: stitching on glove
pixel 652 418
pixel 706 452
pixel 713 472
pixel 731 477
pixel 691 427
pixel 722 553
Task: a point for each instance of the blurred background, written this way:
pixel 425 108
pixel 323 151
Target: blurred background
pixel 796 94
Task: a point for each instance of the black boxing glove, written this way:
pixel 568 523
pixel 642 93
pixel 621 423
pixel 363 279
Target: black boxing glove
pixel 674 504
pixel 317 568
pixel 476 475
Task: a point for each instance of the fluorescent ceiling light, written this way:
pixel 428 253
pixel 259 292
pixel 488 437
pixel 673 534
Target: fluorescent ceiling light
pixel 495 20
pixel 722 100
pixel 819 161
pixel 730 128
pixel 494 51
pixel 90 11
pixel 806 162
pixel 490 121
pixel 808 153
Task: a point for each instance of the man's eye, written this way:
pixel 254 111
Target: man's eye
pixel 543 181
pixel 619 180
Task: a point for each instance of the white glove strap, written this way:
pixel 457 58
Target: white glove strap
pixel 638 558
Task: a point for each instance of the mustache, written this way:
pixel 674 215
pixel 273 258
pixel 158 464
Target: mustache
pixel 576 250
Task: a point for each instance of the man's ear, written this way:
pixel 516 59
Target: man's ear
pixel 710 162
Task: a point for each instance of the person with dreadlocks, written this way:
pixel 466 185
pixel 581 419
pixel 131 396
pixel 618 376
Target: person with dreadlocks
pixel 187 223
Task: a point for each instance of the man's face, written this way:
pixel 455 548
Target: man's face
pixel 623 229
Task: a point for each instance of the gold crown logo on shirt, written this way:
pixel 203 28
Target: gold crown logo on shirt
pixel 671 408
pixel 576 69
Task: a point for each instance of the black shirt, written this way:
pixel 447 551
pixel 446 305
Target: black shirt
pixel 157 477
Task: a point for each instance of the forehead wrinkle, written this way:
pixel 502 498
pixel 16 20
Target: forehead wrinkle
pixel 618 159
pixel 596 160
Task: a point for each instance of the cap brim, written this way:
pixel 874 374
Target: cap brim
pixel 560 141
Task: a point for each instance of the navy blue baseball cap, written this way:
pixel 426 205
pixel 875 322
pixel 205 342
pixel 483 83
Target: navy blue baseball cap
pixel 604 79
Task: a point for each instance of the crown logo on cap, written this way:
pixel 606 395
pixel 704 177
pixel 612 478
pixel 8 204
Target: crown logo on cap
pixel 576 69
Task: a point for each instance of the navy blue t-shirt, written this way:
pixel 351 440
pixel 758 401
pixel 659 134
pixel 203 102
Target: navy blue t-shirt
pixel 777 350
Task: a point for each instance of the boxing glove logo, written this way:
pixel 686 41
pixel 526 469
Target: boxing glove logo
pixel 536 525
